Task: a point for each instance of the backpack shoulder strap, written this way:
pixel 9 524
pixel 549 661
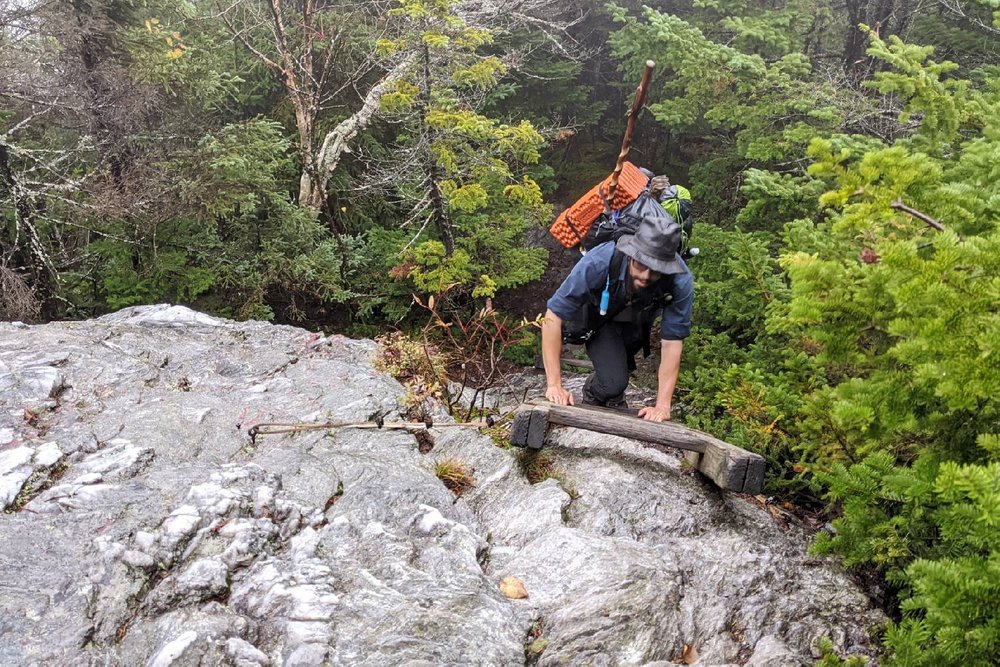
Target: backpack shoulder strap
pixel 611 284
pixel 615 266
pixel 662 296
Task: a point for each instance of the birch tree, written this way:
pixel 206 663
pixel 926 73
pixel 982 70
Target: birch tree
pixel 321 53
pixel 328 60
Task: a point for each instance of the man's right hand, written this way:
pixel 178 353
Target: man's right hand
pixel 551 349
pixel 558 395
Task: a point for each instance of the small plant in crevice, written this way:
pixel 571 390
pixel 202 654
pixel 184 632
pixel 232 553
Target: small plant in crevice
pixel 499 434
pixel 829 658
pixel 332 500
pixel 416 364
pixel 538 465
pixel 738 630
pixel 484 554
pixel 535 643
pixel 37 482
pixel 494 425
pixel 454 474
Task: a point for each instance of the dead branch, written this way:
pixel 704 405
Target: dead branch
pixel 955 8
pixel 335 144
pixel 16 299
pixel 931 222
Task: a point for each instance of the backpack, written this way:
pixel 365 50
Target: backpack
pixel 674 201
pixel 612 226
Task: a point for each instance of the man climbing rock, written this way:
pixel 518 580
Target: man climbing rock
pixel 609 302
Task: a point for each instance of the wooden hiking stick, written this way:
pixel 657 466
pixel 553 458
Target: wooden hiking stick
pixel 640 99
pixel 275 428
pixel 573 224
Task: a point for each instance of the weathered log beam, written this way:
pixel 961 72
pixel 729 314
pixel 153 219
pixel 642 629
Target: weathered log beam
pixel 728 466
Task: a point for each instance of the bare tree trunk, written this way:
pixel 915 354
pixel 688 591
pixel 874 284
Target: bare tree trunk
pixel 440 215
pixel 885 17
pixel 856 42
pixel 311 194
pixel 297 76
pixel 295 72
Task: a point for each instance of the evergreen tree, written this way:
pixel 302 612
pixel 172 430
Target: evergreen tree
pixel 467 191
pixel 898 291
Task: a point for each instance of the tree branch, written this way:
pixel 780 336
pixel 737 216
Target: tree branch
pixel 955 8
pixel 900 206
pixel 336 141
pixel 241 36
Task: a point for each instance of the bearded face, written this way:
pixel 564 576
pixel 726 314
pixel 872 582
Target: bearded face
pixel 642 276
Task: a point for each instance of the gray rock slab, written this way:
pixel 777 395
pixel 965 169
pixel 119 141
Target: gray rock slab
pixel 144 526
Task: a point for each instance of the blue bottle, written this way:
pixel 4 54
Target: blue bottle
pixel 606 297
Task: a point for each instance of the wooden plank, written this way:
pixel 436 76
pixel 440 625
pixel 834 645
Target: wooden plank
pixel 693 459
pixel 728 466
pixel 730 471
pixel 626 425
pixel 754 481
pixel 519 426
pixel 721 466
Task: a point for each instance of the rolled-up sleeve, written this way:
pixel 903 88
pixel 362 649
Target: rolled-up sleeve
pixel 676 323
pixel 588 274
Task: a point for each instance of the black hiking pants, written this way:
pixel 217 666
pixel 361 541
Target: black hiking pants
pixel 612 348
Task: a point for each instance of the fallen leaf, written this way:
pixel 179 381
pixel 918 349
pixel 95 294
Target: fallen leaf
pixel 689 655
pixel 513 588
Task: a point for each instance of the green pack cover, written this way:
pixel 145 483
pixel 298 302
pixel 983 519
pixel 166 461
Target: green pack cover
pixel 676 200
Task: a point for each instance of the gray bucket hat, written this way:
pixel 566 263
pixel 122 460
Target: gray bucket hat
pixel 655 244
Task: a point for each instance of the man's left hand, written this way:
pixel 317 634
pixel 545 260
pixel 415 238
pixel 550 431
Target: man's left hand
pixel 655 414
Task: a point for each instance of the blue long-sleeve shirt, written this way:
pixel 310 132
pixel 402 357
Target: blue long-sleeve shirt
pixel 587 280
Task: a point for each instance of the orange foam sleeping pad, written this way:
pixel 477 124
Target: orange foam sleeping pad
pixel 573 224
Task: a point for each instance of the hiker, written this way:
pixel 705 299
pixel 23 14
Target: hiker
pixel 639 276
